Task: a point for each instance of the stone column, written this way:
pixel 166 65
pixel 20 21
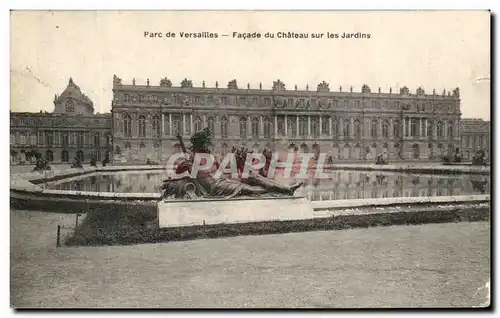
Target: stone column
pixel 286 126
pixel 352 127
pixel 135 130
pixel 391 128
pixel 275 126
pixel 183 124
pixel 298 125
pixel 249 127
pixel 321 125
pixel 308 125
pixel 420 127
pixel 191 128
pixel 404 127
pixel 434 130
pixel 162 124
pixel 425 127
pixel 341 123
pixel 205 121
pixel 218 127
pixel 379 128
pixel 330 125
pixel 410 124
pixel 445 130
pixel 261 127
pixel 149 130
pixel 170 124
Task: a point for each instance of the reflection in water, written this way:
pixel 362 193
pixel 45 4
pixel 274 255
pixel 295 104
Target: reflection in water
pixel 342 185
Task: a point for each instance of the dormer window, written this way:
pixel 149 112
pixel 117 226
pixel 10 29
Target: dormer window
pixel 70 106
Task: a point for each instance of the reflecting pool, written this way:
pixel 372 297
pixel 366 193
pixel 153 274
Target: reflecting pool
pixel 342 184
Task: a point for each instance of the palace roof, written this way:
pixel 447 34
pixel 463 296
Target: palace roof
pixel 73 91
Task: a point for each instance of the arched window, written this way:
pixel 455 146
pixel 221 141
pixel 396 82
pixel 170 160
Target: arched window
pixel 450 129
pixel 335 128
pixel 325 125
pixel 397 148
pixel 397 129
pixel 347 128
pixel 280 120
pixel 430 127
pixel 303 123
pixel 142 126
pixel 155 125
pixel 255 127
pixel 357 129
pixel 64 156
pixel 314 126
pixel 267 127
pixel 198 124
pixel 70 106
pixel 33 139
pixel 97 138
pixel 211 124
pixel 79 139
pixel 224 127
pixel 414 127
pixel 292 126
pixel 385 129
pixel 374 128
pixel 416 151
pixel 243 127
pixel 439 127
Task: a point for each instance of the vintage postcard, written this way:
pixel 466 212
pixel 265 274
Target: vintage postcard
pixel 250 159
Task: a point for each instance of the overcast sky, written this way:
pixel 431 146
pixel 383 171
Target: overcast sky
pixel 437 50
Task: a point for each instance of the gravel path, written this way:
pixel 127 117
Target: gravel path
pixel 434 265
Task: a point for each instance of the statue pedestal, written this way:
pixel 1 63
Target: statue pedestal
pixel 210 212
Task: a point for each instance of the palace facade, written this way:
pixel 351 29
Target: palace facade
pixel 71 130
pixel 348 125
pixel 475 136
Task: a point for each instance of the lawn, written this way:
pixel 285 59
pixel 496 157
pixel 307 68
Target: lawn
pixel 433 265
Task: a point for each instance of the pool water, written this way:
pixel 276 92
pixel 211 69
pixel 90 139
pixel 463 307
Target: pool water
pixel 342 184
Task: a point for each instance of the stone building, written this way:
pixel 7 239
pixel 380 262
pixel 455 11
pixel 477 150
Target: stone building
pixel 475 136
pixel 71 130
pixel 346 124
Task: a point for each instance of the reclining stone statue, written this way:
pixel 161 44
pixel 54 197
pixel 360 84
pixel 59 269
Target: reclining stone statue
pixel 205 185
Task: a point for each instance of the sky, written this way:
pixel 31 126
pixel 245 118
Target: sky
pixel 436 50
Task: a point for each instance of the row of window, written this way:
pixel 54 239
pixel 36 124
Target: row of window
pixel 473 142
pixel 306 126
pixel 50 139
pixel 49 155
pixel 59 121
pixel 282 102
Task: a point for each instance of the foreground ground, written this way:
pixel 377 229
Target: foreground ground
pixel 437 265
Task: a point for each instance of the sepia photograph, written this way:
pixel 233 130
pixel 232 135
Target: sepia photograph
pixel 250 159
